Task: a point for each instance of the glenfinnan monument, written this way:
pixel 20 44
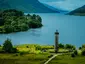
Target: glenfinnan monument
pixel 56 41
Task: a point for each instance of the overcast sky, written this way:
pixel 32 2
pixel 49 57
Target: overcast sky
pixel 65 4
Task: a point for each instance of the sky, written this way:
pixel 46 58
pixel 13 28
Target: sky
pixel 64 4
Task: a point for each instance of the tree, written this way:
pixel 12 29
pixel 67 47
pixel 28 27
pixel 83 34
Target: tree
pixel 73 55
pixel 39 18
pixel 83 52
pixel 76 52
pixel 38 47
pixel 61 45
pixel 1 21
pixel 28 15
pixel 80 48
pixel 12 12
pixel 69 46
pixel 7 46
pixel 13 20
pixel 8 28
pixel 83 46
pixel 33 16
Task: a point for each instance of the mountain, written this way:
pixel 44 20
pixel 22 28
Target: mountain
pixel 79 11
pixel 31 6
pixel 55 9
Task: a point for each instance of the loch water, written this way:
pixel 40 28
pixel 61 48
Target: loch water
pixel 71 29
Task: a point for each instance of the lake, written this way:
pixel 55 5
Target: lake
pixel 71 29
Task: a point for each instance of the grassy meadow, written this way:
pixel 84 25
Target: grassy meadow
pixel 67 59
pixel 39 54
pixel 23 59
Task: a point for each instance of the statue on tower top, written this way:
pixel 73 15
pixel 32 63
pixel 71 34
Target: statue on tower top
pixel 56 32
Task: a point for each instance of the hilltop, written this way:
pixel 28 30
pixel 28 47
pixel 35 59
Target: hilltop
pixel 79 11
pixel 27 6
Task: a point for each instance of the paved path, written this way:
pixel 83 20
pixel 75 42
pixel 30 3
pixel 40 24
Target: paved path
pixel 52 58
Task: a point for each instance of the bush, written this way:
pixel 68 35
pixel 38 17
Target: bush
pixel 83 53
pixel 39 18
pixel 73 55
pixel 1 51
pixel 61 45
pixel 7 46
pixel 1 22
pixel 76 52
pixel 69 46
pixel 16 54
pixel 80 48
pixel 38 47
pixel 50 56
pixel 33 16
pixel 28 15
pixel 83 46
pixel 21 53
pixel 14 50
pixel 12 12
pixel 34 24
pixel 27 46
pixel 70 50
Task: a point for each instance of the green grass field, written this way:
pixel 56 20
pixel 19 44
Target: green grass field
pixel 40 59
pixel 67 59
pixel 28 54
pixel 23 59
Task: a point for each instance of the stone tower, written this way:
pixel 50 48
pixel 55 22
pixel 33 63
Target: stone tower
pixel 56 41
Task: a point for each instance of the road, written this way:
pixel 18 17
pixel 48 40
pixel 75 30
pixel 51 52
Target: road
pixel 51 58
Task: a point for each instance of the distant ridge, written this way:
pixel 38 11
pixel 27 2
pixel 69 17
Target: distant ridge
pixel 55 9
pixel 28 6
pixel 80 11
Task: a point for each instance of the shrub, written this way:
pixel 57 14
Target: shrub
pixel 69 46
pixel 50 56
pixel 61 45
pixel 33 16
pixel 80 48
pixel 12 12
pixel 83 53
pixel 28 15
pixel 70 50
pixel 7 46
pixel 38 47
pixel 73 55
pixel 27 46
pixel 34 24
pixel 76 52
pixel 39 18
pixel 1 21
pixel 1 51
pixel 83 46
pixel 21 53
pixel 14 50
pixel 16 54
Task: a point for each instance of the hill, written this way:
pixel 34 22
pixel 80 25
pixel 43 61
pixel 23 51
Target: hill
pixel 55 9
pixel 79 11
pixel 28 6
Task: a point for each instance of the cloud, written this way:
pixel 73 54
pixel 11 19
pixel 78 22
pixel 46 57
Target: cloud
pixel 65 4
pixel 50 0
